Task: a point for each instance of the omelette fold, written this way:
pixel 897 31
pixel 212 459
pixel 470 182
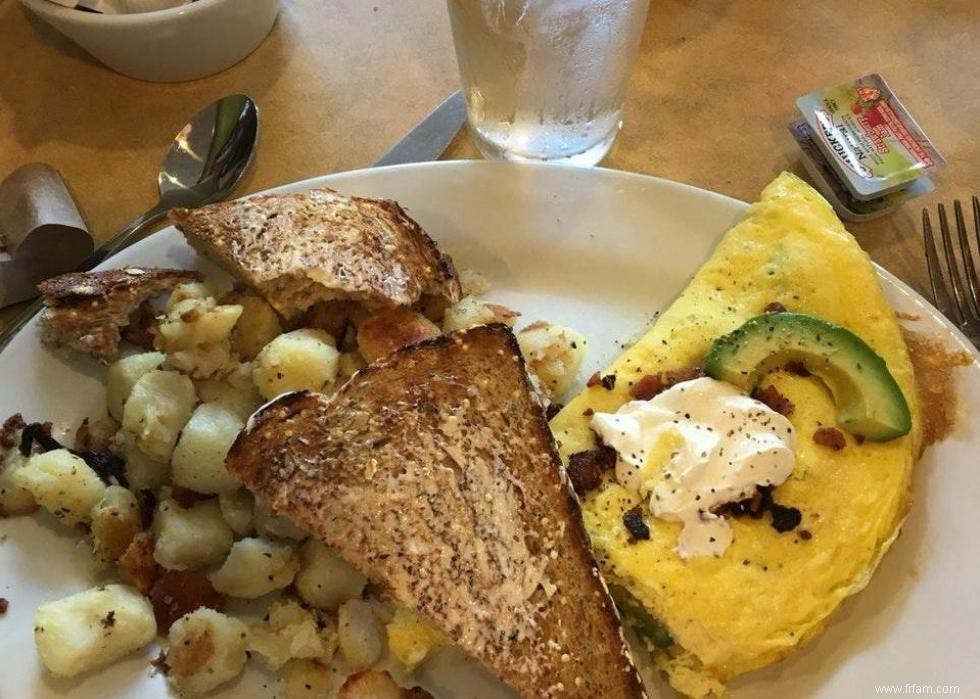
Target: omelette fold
pixel 770 591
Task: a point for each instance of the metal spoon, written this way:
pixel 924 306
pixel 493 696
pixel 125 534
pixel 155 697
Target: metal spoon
pixel 204 164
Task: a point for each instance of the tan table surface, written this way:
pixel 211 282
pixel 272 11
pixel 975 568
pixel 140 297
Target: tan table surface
pixel 339 81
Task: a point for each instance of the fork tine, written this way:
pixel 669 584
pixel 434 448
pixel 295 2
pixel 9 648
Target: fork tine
pixel 973 305
pixel 955 282
pixel 940 295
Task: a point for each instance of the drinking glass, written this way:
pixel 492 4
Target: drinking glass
pixel 545 79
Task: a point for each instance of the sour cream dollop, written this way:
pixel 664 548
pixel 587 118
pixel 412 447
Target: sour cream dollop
pixel 696 446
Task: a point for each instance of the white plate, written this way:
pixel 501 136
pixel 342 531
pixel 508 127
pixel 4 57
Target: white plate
pixel 601 251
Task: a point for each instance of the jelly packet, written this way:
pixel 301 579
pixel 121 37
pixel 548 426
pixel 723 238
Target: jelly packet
pixel 830 185
pixel 868 137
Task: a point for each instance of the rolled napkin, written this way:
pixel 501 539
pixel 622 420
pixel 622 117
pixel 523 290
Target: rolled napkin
pixel 41 232
pixel 118 7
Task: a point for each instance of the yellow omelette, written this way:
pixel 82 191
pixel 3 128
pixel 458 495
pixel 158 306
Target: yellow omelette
pixel 770 591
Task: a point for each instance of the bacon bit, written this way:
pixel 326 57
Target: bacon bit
pixel 40 433
pixel 588 412
pixel 608 381
pixel 185 497
pixel 830 437
pixel 774 307
pixel 798 367
pixel 771 396
pixel 552 410
pixel 690 373
pixel 805 534
pixel 96 436
pixel 4 605
pixel 633 520
pixel 10 426
pixel 585 468
pixel 593 380
pixel 175 594
pixel 647 387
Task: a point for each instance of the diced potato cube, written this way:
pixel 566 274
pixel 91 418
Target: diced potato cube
pixel 207 649
pixel 276 526
pixel 308 679
pixel 325 580
pixel 14 499
pixel 256 327
pixel 137 564
pixel 190 538
pixel 554 354
pixel 390 330
pixel 293 632
pixel 115 521
pixel 298 360
pixel 473 283
pixel 370 684
pixel 198 461
pixel 195 322
pixel 189 290
pixel 235 391
pixel 92 628
pixel 359 634
pixel 470 311
pixel 158 407
pixel 238 509
pixel 123 375
pixel 202 362
pixel 142 472
pixel 411 639
pixel 256 567
pixel 62 484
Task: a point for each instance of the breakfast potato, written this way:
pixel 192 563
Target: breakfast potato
pixel 194 322
pixel 257 326
pixel 292 632
pixel 188 290
pixel 470 311
pixel 137 565
pixel 308 679
pixel 96 436
pixel 92 628
pixel 370 684
pixel 276 526
pixel 123 375
pixel 473 283
pixel 62 484
pixel 142 472
pixel 238 509
pixel 301 359
pixel 359 634
pixel 198 461
pixel 14 499
pixel 115 521
pixel 389 330
pixel 235 391
pixel 256 567
pixel 554 354
pixel 158 407
pixel 190 538
pixel 325 580
pixel 411 639
pixel 207 649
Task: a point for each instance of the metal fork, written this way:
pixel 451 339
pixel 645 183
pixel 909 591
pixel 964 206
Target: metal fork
pixel 958 300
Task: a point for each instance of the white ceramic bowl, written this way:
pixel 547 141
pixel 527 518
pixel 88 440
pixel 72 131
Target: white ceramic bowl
pixel 181 43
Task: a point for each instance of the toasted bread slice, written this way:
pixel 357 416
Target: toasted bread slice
pixel 86 310
pixel 434 473
pixel 318 246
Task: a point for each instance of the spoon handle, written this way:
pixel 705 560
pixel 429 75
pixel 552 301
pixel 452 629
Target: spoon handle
pixel 129 234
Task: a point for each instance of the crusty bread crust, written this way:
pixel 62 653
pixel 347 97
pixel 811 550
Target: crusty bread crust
pixel 86 310
pixel 433 471
pixel 302 248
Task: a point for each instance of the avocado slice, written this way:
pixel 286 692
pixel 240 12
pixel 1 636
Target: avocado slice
pixel 869 401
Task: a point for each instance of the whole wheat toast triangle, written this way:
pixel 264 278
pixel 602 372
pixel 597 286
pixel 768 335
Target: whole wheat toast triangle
pixel 434 473
pixel 318 246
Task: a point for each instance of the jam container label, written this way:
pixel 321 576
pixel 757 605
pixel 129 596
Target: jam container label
pixel 868 136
